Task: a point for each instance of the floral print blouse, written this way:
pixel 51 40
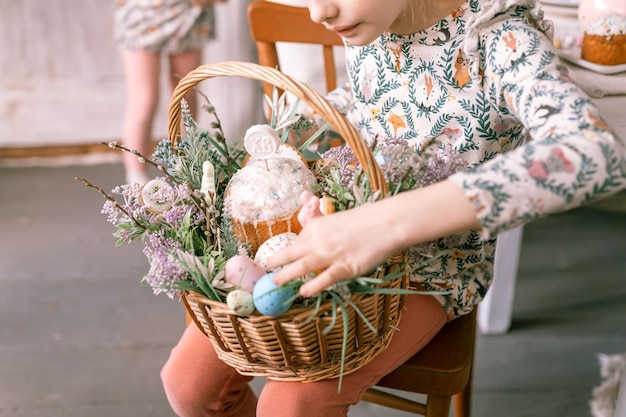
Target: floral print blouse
pixel 486 82
pixel 171 26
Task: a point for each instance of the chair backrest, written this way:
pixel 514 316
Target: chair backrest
pixel 272 23
pixel 442 371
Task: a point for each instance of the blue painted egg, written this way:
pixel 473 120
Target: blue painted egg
pixel 269 298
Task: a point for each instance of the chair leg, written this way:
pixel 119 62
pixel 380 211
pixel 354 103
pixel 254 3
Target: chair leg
pixel 386 399
pixel 463 400
pixel 462 403
pixel 495 311
pixel 437 406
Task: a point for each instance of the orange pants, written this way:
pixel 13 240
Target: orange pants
pixel 198 384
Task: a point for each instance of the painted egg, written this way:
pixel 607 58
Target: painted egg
pixel 243 272
pixel 240 302
pixel 269 298
pixel 152 195
pixel 273 245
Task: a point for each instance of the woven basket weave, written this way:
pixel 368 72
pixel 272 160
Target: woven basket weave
pixel 293 347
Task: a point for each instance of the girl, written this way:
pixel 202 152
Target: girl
pixel 144 30
pixel 482 78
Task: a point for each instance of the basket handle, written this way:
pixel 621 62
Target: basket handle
pixel 304 92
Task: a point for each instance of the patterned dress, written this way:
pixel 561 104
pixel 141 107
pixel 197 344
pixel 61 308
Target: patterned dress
pixel 486 82
pixel 171 26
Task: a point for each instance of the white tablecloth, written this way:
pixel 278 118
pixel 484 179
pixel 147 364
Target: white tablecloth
pixel 596 84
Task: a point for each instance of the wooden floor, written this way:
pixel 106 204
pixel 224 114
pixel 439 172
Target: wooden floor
pixel 81 337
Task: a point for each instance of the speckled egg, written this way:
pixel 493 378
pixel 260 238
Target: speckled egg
pixel 269 298
pixel 240 302
pixel 273 245
pixel 243 272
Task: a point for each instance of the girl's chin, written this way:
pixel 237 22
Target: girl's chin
pixel 360 40
pixel 359 35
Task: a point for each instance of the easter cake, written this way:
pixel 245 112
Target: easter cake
pixel 263 198
pixel 604 41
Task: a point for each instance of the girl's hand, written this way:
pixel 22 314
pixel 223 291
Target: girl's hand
pixel 350 243
pixel 341 246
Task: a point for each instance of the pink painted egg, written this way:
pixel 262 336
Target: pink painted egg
pixel 273 245
pixel 243 272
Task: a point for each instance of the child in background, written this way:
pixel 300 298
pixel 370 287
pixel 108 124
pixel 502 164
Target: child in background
pixel 480 77
pixel 144 30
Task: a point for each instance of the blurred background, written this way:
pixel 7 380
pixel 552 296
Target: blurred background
pixel 61 79
pixel 81 337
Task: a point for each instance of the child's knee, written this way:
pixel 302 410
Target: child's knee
pixel 182 399
pixel 213 391
pixel 186 397
pixel 303 399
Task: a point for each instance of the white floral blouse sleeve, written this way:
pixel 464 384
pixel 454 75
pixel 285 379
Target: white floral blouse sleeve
pixel 571 156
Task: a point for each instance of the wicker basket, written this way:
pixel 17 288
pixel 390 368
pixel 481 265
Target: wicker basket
pixel 293 347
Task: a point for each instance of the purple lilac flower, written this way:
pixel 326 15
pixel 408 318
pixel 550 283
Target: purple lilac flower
pixel 390 141
pixel 439 167
pixel 114 215
pixel 343 158
pixel 396 162
pixel 164 270
pixel 176 214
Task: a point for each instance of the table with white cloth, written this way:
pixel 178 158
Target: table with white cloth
pixel 495 312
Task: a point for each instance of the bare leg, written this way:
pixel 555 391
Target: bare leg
pixel 180 65
pixel 141 71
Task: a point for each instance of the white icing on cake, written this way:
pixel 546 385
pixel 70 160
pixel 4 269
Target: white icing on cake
pixel 268 189
pixel 611 24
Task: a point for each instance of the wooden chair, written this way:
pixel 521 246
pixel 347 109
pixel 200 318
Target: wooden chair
pixel 442 370
pixel 272 22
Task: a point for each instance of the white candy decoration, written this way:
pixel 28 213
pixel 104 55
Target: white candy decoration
pixel 208 181
pixel 240 302
pixel 261 141
pixel 149 198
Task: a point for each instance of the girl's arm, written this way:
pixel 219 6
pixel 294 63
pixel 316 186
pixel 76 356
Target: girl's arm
pixel 570 156
pixel 351 243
